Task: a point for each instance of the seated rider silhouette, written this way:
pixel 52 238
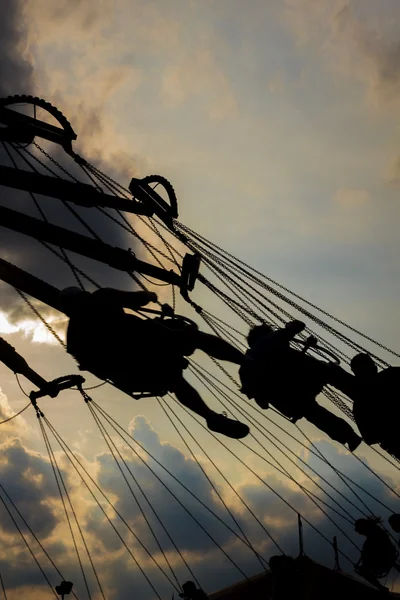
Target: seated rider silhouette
pixel 142 354
pixel 394 522
pixel 375 395
pixel 192 592
pixel 274 373
pixel 378 554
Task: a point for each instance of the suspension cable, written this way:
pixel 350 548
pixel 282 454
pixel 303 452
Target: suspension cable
pixel 39 543
pixel 212 484
pixel 57 476
pixel 262 414
pixel 306 474
pixel 118 428
pixel 29 548
pixel 68 453
pixel 112 448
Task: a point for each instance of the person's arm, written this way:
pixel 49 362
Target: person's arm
pixel 132 300
pixel 287 333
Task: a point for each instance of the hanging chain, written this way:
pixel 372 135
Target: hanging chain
pixel 53 160
pixel 42 319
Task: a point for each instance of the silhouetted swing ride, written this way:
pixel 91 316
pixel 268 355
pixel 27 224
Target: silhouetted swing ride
pixel 284 350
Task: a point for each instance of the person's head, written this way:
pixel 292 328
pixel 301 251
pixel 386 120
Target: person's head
pixel 258 332
pixel 365 526
pixel 363 365
pixel 70 298
pixel 189 587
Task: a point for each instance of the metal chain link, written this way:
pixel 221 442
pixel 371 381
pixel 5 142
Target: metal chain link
pixel 282 297
pixel 53 160
pixel 42 319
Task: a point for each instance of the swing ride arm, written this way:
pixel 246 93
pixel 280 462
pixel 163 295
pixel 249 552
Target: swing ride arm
pixel 117 258
pixel 17 364
pixel 29 284
pixel 70 191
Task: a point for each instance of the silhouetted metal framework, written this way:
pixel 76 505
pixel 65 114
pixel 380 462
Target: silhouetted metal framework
pixel 249 294
pixel 21 128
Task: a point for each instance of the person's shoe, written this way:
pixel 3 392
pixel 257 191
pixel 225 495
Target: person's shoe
pixel 354 442
pixel 229 427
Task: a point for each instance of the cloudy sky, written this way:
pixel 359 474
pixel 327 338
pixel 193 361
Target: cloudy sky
pixel 278 126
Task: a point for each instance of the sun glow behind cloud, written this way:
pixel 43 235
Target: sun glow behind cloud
pixel 32 329
pixel 274 121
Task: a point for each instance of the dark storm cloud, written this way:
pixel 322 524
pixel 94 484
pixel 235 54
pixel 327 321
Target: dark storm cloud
pixel 15 71
pixel 29 254
pixel 279 519
pixel 16 77
pixel 29 481
pixel 187 533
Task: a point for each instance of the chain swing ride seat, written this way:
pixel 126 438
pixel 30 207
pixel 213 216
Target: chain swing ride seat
pixel 19 128
pixel 151 368
pixel 378 555
pixel 292 382
pixel 290 378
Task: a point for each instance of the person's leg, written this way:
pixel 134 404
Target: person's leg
pixel 189 397
pixel 334 426
pixel 217 347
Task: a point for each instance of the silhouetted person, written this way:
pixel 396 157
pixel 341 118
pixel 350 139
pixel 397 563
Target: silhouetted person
pixel 191 592
pixel 142 354
pixel 376 401
pixel 394 522
pixel 378 554
pixel 274 373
